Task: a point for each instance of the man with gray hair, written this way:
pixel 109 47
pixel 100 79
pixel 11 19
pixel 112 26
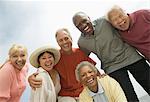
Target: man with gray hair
pixel 134 28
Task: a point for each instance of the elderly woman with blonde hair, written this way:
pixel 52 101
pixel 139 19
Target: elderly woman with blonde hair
pixel 96 89
pixel 13 74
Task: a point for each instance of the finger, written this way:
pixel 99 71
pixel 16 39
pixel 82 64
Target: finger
pixel 35 73
pixel 34 86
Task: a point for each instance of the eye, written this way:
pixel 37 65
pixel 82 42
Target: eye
pixel 82 75
pixel 50 56
pixel 14 56
pixel 90 71
pixel 60 40
pixel 66 38
pixel 83 21
pixel 22 55
pixel 43 58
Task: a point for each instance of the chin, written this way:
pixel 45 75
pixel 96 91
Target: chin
pixel 124 29
pixel 19 68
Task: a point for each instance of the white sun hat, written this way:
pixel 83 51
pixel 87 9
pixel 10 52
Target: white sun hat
pixel 34 56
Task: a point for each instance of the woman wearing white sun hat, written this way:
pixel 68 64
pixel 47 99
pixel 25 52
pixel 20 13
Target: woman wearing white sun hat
pixel 44 58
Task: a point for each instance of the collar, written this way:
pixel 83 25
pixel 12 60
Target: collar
pixel 64 53
pixel 100 90
pixel 40 69
pixel 132 20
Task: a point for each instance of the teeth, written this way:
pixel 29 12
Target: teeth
pixel 19 63
pixel 86 28
pixel 48 65
pixel 65 45
pixel 90 81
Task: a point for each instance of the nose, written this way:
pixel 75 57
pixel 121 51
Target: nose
pixel 19 58
pixel 64 41
pixel 48 59
pixel 88 75
pixel 82 25
pixel 119 20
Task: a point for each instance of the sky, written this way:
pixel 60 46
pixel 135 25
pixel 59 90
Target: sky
pixel 34 22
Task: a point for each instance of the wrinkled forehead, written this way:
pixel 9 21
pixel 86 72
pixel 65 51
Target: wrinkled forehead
pixel 114 12
pixel 62 34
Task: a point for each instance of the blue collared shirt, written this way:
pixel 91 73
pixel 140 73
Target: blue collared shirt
pixel 100 95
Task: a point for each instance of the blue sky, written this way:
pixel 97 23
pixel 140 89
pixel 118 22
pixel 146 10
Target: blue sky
pixel 34 22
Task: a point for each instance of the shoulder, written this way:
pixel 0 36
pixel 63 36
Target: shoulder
pixel 7 72
pixel 107 80
pixel 78 50
pixel 7 68
pixel 143 14
pixel 142 11
pixel 100 20
pixel 84 92
pixel 42 74
pixel 101 23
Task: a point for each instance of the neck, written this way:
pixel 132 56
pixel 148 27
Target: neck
pixel 53 74
pixel 94 88
pixel 68 52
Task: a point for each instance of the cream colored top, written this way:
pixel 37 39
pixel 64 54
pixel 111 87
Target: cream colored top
pixel 112 89
pixel 47 92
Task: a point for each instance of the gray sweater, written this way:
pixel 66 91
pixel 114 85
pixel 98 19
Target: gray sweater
pixel 108 46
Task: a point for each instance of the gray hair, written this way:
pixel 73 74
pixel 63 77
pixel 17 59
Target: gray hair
pixel 114 8
pixel 81 65
pixel 62 29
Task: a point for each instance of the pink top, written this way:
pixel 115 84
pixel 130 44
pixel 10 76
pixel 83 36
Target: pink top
pixel 138 34
pixel 12 83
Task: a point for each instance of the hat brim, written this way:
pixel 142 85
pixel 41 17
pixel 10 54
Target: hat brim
pixel 34 56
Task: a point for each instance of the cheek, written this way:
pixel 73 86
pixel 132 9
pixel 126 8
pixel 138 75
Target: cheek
pixel 24 58
pixel 60 44
pixel 13 60
pixel 41 62
pixel 52 60
pixel 83 80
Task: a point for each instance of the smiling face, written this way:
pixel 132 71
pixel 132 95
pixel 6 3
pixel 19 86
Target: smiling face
pixel 88 77
pixel 18 56
pixel 46 61
pixel 64 41
pixel 119 19
pixel 83 23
